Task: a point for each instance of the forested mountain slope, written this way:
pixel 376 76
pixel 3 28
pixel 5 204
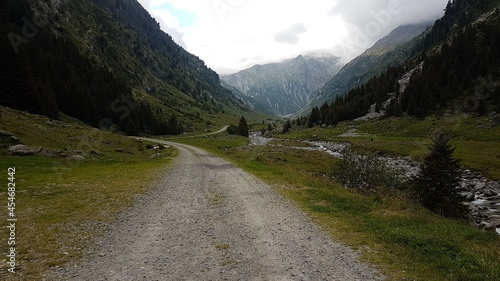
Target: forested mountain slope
pixel 456 68
pixel 108 64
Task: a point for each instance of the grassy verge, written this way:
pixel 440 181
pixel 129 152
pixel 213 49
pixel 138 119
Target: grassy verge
pixel 476 140
pixel 64 206
pixel 402 239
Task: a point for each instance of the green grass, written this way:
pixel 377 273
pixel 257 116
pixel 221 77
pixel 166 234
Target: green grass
pixel 398 236
pixel 476 140
pixel 63 206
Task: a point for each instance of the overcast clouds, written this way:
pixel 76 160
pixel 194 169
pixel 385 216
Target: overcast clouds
pixel 230 35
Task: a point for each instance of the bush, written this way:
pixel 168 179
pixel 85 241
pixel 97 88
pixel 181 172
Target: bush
pixel 232 129
pixel 366 170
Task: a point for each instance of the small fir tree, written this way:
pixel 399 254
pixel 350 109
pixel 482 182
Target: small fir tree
pixel 243 127
pixel 437 185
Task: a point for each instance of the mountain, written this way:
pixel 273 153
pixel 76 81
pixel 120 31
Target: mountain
pixel 249 101
pixel 285 87
pixel 106 63
pixel 453 68
pixel 391 50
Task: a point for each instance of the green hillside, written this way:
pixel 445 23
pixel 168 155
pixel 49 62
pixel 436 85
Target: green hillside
pixel 108 64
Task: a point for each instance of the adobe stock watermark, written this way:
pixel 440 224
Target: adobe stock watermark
pixel 29 30
pixel 121 106
pixel 222 7
pixel 361 39
pixel 482 93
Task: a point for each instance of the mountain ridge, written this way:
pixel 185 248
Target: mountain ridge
pixel 284 87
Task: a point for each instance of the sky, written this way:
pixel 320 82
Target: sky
pixel 231 35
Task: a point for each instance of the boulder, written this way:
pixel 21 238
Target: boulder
pixel 156 156
pixel 7 138
pixel 24 150
pixel 77 158
pixel 52 153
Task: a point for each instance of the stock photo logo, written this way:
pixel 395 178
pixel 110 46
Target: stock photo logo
pixel 361 37
pixel 29 30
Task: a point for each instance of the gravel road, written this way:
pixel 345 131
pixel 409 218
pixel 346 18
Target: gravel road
pixel 209 220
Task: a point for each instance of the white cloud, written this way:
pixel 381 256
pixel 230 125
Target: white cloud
pixel 290 35
pixel 233 34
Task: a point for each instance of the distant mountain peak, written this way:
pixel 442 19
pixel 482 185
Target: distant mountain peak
pixel 400 34
pixel 283 88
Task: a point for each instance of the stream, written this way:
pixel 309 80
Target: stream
pixel 482 194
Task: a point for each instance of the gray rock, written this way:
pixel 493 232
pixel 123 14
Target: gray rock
pixel 77 158
pixel 7 138
pixel 52 153
pixel 56 123
pixel 489 192
pixel 24 150
pixel 480 185
pixel 469 196
pixel 6 134
pixel 156 156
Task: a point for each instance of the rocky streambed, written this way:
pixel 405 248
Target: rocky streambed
pixel 482 194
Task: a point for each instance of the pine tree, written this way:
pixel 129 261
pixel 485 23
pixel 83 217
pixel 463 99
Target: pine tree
pixel 437 185
pixel 287 127
pixel 243 127
pixel 310 122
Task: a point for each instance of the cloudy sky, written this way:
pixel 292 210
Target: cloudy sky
pixel 230 35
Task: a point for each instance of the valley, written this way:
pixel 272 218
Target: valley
pixel 135 159
pixel 397 234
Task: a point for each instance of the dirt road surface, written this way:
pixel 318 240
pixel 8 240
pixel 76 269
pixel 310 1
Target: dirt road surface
pixel 209 220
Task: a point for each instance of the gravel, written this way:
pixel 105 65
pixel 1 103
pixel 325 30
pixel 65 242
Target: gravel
pixel 209 220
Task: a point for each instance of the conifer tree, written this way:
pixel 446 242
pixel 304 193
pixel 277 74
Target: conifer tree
pixel 243 127
pixel 437 185
pixel 287 127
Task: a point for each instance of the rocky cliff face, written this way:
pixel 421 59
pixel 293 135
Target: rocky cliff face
pixel 283 88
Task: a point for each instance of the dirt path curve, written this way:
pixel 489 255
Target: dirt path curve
pixel 209 220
